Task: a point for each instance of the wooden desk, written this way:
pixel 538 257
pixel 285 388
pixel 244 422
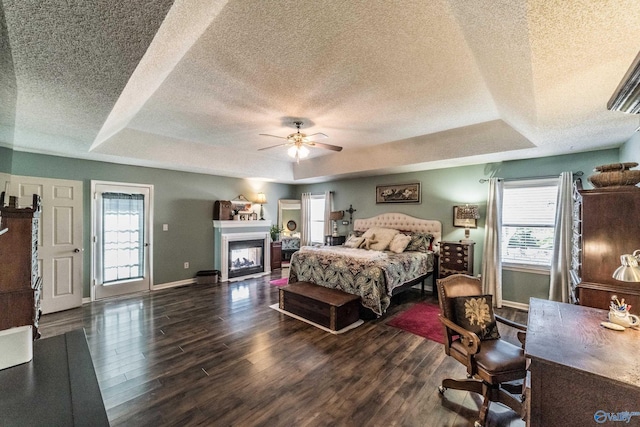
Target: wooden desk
pixel 57 388
pixel 578 368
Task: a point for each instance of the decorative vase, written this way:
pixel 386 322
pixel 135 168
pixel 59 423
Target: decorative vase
pixel 615 175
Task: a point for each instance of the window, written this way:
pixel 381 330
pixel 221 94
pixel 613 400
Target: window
pixel 528 222
pixel 123 229
pixel 316 233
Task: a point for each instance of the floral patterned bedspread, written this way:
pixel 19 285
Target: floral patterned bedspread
pixel 371 274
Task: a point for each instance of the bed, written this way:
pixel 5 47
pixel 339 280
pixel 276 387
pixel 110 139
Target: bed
pixel 374 275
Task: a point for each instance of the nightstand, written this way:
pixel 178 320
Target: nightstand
pixel 455 258
pixel 276 255
pixel 334 240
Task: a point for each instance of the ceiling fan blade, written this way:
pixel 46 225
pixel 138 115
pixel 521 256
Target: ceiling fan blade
pixel 273 136
pixel 318 135
pixel 273 146
pixel 323 145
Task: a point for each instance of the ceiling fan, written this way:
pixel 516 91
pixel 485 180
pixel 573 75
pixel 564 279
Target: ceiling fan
pixel 298 143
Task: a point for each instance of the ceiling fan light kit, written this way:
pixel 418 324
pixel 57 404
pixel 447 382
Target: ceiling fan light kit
pixel 298 151
pixel 298 143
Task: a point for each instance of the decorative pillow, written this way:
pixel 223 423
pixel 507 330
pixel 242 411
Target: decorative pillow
pixel 356 233
pixel 475 313
pixel 369 242
pixel 354 242
pixel 399 243
pixel 420 242
pixel 383 237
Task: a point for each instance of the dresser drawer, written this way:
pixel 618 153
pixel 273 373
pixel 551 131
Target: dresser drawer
pixel 455 257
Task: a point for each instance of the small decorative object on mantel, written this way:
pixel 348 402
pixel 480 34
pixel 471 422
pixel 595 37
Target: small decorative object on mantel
pixel 615 175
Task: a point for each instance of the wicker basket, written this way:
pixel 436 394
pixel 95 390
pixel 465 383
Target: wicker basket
pixel 615 175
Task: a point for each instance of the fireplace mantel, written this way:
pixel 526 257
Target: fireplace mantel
pixel 241 224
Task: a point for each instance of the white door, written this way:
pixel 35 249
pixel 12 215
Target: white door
pixel 59 240
pixel 122 235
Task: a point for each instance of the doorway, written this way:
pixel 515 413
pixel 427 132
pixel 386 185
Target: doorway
pixel 121 217
pixel 60 250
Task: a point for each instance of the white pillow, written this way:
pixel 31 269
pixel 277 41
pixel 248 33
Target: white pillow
pixel 353 242
pixel 399 243
pixel 383 237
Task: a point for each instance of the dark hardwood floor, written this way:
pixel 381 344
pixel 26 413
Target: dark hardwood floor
pixel 218 355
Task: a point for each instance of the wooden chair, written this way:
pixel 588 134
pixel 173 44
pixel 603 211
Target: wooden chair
pixel 490 363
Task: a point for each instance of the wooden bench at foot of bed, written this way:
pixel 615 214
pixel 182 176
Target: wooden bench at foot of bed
pixel 330 308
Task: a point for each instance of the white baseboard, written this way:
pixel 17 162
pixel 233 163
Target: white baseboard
pixel 517 305
pixel 86 300
pixel 173 284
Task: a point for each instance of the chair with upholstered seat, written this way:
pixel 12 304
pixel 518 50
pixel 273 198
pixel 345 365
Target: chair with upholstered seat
pixel 491 361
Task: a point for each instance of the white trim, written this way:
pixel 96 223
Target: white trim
pixel 514 304
pixel 151 204
pixel 173 284
pixel 527 269
pixel 224 254
pixel 86 300
pixel 241 224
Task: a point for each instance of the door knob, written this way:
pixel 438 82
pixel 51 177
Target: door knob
pixel 76 250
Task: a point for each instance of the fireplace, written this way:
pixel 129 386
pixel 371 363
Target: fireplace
pixel 245 257
pixel 241 249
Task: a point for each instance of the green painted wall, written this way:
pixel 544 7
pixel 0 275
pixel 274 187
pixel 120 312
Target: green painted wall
pixel 6 158
pixel 630 151
pixel 182 200
pixel 444 188
pixel 185 202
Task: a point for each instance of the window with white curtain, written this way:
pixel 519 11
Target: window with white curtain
pixel 528 222
pixel 317 219
pixel 123 236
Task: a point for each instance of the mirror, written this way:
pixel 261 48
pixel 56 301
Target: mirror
pixel 289 216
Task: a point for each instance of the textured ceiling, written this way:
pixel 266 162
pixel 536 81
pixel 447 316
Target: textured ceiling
pixel 401 85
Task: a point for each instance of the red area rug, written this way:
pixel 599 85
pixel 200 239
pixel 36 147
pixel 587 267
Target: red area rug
pixel 280 282
pixel 422 320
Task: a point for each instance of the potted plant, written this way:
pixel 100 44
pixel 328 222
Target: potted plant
pixel 275 232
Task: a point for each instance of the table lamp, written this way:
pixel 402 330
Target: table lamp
pixel 335 216
pixel 468 214
pixel 261 200
pixel 629 270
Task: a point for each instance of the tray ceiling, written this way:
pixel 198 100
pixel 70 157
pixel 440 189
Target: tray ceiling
pixel 402 85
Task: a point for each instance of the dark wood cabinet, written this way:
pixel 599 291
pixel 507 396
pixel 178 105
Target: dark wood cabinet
pixel 578 369
pixel 334 240
pixel 609 228
pixel 455 258
pixel 276 255
pixel 20 283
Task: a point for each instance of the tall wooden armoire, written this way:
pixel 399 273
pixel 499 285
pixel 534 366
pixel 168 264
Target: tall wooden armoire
pixel 609 227
pixel 20 283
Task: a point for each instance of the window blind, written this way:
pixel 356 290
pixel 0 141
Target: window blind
pixel 528 221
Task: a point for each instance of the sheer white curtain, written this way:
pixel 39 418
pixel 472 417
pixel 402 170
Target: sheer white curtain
pixel 305 217
pixel 492 262
pixel 328 207
pixel 560 283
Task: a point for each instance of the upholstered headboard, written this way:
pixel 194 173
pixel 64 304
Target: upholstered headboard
pixel 403 222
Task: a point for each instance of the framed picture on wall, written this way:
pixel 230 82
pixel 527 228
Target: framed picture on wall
pixel 398 193
pixel 241 204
